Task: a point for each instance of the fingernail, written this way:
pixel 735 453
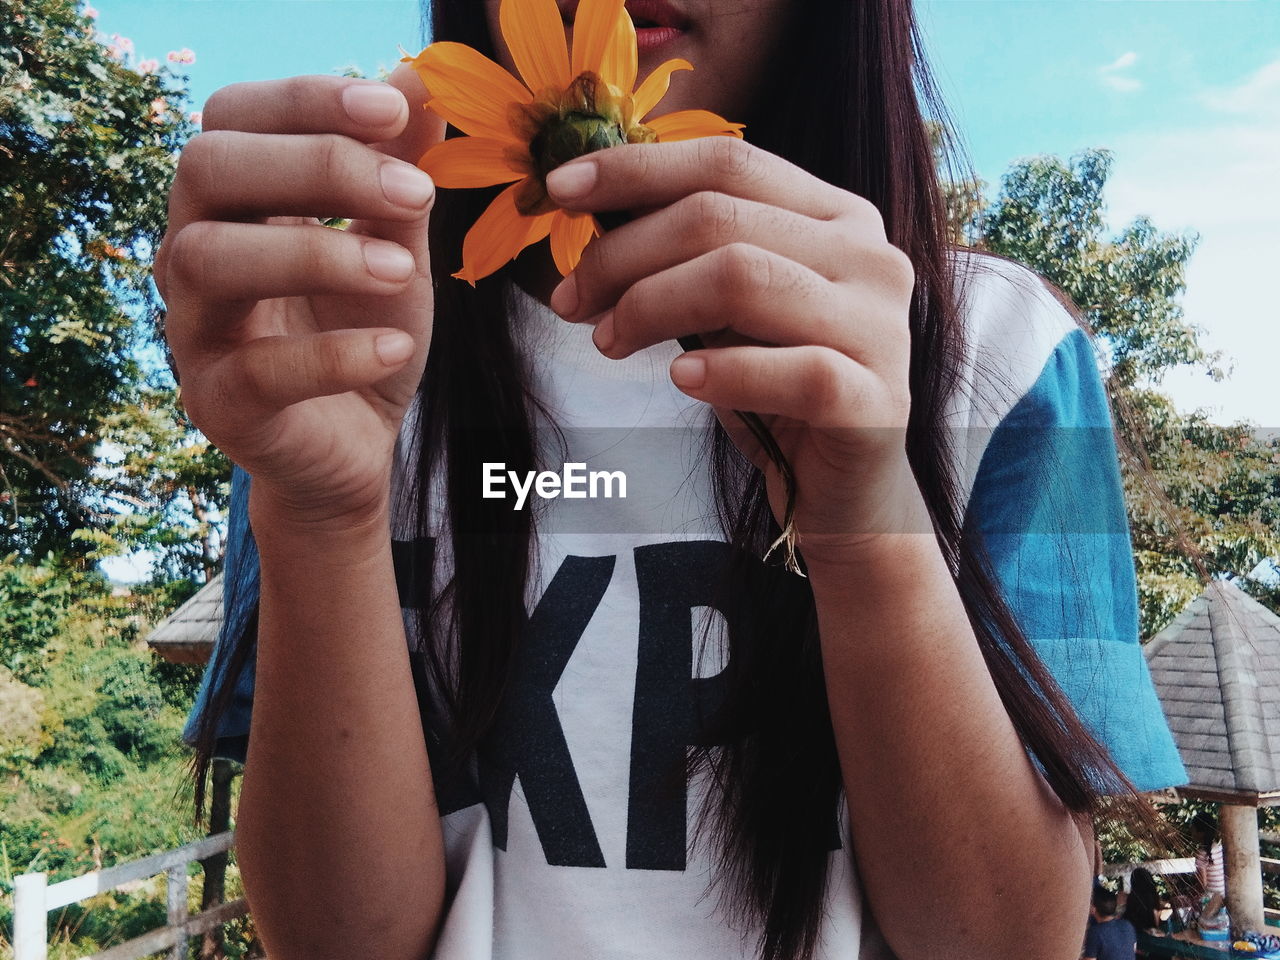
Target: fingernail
pixel 393 348
pixel 388 261
pixel 687 371
pixel 603 335
pixel 406 186
pixel 564 298
pixel 373 105
pixel 573 180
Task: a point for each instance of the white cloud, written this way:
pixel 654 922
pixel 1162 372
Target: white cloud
pixel 1111 75
pixel 1259 95
pixel 1218 179
pixel 1122 61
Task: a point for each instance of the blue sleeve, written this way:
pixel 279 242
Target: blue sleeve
pixel 239 614
pixel 1049 503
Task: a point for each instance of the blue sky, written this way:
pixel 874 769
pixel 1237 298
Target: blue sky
pixel 1187 94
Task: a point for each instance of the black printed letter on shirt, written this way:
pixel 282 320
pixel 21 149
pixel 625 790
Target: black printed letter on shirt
pixel 527 739
pixel 673 578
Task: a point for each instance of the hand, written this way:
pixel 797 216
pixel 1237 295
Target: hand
pixel 800 297
pixel 299 347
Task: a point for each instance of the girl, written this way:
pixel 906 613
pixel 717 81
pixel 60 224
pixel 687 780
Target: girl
pixel 1209 857
pixel 1142 906
pixel 608 728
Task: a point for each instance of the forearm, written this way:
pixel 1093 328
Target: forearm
pixel 951 821
pixel 337 835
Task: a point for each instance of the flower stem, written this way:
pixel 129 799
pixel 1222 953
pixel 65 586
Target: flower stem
pixel 786 539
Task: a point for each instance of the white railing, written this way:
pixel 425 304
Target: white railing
pixel 33 898
pixel 1162 867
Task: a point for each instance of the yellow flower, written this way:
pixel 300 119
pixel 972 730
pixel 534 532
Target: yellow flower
pixel 566 106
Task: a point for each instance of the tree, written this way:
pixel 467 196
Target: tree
pixel 1203 499
pixel 164 488
pixel 1049 215
pixel 88 146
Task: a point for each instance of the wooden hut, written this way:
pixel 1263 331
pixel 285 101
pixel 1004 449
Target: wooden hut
pixel 189 633
pixel 1216 668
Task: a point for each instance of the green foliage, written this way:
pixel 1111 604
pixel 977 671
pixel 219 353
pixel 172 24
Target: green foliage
pixel 34 601
pixel 1215 498
pixel 42 604
pixel 1119 846
pixel 1049 215
pixel 92 770
pixel 87 149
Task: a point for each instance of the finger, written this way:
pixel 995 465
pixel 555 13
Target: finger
pixel 425 128
pixel 271 373
pixel 365 110
pixel 689 228
pixel 226 174
pixel 812 384
pixel 213 261
pixel 656 174
pixel 739 287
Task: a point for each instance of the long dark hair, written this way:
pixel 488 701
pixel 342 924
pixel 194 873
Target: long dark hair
pixel 847 108
pixel 1141 906
pixel 1204 827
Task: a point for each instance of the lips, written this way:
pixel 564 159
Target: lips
pixel 644 14
pixel 656 13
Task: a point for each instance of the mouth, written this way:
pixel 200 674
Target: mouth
pixel 645 14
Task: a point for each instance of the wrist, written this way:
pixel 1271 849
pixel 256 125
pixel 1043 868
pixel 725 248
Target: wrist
pixel 896 525
pixel 340 532
pixel 873 566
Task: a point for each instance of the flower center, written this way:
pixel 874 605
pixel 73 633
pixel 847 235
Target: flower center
pixel 567 136
pixel 561 125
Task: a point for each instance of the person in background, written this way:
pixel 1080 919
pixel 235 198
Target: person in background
pixel 1209 858
pixel 1110 937
pixel 1142 906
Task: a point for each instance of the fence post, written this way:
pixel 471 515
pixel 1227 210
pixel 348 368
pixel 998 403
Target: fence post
pixel 30 917
pixel 177 897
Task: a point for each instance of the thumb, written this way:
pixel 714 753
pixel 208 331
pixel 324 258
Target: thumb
pixel 425 128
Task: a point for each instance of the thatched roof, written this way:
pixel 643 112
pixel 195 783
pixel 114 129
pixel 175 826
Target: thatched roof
pixel 1216 668
pixel 188 634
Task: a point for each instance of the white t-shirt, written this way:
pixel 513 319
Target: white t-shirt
pixel 571 851
pixel 592 860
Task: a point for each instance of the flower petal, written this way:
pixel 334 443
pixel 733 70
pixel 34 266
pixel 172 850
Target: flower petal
pixel 570 234
pixel 621 56
pixel 470 124
pixel 470 162
pixel 499 236
pixel 655 87
pixel 468 89
pixel 534 33
pixel 691 124
pixel 593 31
